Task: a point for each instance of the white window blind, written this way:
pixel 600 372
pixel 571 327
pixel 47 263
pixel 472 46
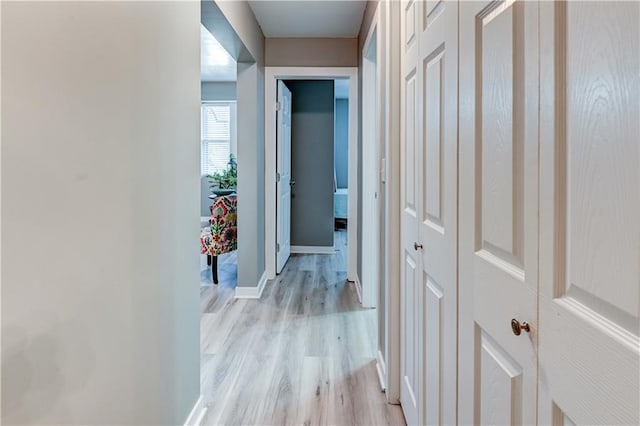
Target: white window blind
pixel 216 129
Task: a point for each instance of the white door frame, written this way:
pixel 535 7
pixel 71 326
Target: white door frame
pixel 390 46
pixel 371 129
pixel 272 75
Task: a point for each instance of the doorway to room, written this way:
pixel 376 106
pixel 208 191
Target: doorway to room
pixel 312 161
pixel 341 154
pixel 218 169
pixel 276 164
pixel 307 176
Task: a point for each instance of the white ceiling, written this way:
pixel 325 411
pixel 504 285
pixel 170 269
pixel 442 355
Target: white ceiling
pixel 309 18
pixel 215 63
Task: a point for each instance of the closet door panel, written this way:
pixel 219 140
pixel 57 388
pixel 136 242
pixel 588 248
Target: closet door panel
pixel 412 306
pixel 590 205
pixel 429 228
pixel 438 153
pixel 498 230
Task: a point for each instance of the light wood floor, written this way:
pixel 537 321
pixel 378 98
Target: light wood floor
pixel 303 354
pixel 211 294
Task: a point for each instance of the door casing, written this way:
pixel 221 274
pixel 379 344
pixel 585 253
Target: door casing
pixel 272 75
pixel 370 170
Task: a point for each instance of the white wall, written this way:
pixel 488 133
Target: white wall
pixel 100 271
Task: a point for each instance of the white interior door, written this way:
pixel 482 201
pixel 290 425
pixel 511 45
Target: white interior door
pixel 590 213
pixel 429 218
pixel 498 227
pixel 437 183
pixel 283 177
pixel 411 307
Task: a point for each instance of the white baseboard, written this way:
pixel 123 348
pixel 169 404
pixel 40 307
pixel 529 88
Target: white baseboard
pixel 252 292
pixel 197 413
pixel 313 249
pixel 382 371
pixel 356 282
pixel 262 284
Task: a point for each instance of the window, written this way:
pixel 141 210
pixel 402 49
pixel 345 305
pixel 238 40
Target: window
pixel 218 136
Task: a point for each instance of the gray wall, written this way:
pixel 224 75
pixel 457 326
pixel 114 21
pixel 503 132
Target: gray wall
pixel 312 162
pixel 233 24
pixel 311 52
pixel 102 325
pixel 341 145
pixel 218 90
pixel 251 221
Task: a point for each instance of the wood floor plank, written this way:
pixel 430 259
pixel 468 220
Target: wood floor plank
pixel 304 354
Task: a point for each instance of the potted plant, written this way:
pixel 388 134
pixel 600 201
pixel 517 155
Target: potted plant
pixel 225 183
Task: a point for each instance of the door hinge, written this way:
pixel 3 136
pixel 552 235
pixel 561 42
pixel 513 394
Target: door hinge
pixel 278 247
pixel 277 177
pixel 278 106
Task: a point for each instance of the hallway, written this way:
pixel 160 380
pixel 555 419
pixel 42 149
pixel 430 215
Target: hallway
pixel 302 354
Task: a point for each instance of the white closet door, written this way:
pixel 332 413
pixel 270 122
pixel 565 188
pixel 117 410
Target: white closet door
pixel 411 291
pixel 498 212
pixel 590 213
pixel 437 181
pixel 429 220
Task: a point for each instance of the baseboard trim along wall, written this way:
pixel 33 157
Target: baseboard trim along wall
pixel 313 249
pixel 197 413
pixel 382 371
pixel 252 292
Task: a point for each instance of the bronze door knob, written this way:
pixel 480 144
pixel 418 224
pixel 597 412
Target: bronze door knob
pixel 517 327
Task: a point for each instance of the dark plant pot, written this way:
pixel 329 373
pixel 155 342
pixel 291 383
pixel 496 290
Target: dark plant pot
pixel 220 192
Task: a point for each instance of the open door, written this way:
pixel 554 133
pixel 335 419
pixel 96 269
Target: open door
pixel 283 177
